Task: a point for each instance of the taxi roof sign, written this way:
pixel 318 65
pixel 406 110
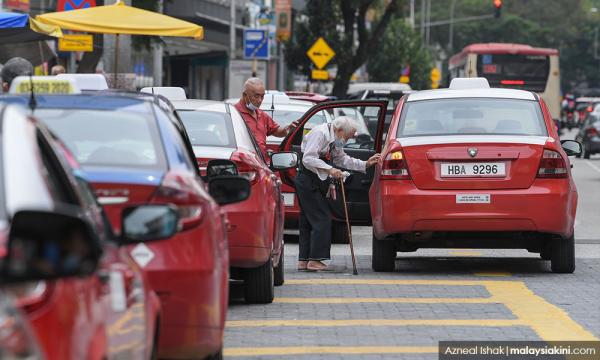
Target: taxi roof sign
pixel 170 92
pixel 87 82
pixel 43 85
pixel 469 83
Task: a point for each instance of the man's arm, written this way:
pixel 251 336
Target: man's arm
pixel 343 160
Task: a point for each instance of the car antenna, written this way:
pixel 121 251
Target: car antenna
pixel 32 99
pixel 272 105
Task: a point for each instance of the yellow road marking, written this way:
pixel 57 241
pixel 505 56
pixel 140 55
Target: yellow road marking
pixel 550 322
pixel 466 253
pixel 303 350
pixel 492 273
pixel 403 300
pixel 388 282
pixel 376 322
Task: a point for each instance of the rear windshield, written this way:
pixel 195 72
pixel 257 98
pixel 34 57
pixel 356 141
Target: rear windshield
pixel 527 72
pixel 208 128
pixel 472 116
pixel 106 137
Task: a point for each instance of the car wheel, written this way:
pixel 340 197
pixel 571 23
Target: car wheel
pixel 259 283
pixel 217 356
pixel 279 273
pixel 383 257
pixel 339 233
pixel 563 255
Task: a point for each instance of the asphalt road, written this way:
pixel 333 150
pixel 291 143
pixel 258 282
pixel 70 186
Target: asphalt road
pixel 433 295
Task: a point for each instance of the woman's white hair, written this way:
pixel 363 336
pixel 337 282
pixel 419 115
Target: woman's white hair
pixel 253 82
pixel 345 123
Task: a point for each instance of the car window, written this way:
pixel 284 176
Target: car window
pixel 208 128
pixel 57 180
pixel 472 116
pixel 107 138
pixel 286 117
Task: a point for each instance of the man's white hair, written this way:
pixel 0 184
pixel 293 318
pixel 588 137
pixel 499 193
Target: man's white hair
pixel 345 123
pixel 253 82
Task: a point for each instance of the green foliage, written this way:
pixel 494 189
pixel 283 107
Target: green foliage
pixel 400 47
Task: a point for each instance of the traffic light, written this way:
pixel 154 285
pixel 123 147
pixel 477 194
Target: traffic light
pixel 497 8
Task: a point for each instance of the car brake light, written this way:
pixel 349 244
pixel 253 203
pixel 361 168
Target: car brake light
pixel 552 166
pixel 245 169
pixel 184 192
pixel 202 164
pixel 592 132
pixel 31 296
pixel 512 82
pixel 590 109
pixel 394 166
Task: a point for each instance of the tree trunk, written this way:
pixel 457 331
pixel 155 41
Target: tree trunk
pixel 342 81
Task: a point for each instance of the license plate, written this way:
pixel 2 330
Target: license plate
pixel 288 199
pixel 473 198
pixel 491 169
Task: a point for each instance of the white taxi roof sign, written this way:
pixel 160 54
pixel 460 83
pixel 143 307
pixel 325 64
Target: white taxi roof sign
pixel 469 83
pixel 87 82
pixel 170 92
pixel 43 85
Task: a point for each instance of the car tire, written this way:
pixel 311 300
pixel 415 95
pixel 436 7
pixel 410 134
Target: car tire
pixel 217 356
pixel 383 256
pixel 546 252
pixel 563 255
pixel 279 271
pixel 259 284
pixel 339 233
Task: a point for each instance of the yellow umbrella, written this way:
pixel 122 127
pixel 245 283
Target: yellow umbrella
pixel 121 19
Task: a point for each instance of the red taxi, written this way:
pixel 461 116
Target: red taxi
pixel 255 231
pixel 474 167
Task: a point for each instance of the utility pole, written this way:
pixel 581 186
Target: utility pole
pixel 232 30
pixel 423 21
pixel 428 29
pixel 451 30
pixel 412 14
pixel 157 55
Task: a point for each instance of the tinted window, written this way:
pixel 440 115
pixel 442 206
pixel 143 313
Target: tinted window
pixel 103 137
pixel 208 128
pixel 472 116
pixel 286 117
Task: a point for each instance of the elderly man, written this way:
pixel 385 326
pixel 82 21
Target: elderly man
pixel 14 67
pixel 258 121
pixel 322 148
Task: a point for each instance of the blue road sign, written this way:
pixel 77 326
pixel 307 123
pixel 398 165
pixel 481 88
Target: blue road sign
pixel 256 44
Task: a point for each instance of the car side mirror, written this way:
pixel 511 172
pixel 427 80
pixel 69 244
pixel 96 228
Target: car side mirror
pixel 221 167
pixel 284 160
pixel 571 147
pixel 229 190
pixel 148 223
pixel 44 245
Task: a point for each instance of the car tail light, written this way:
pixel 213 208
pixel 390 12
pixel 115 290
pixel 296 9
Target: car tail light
pixel 202 164
pixel 589 109
pixel 552 166
pixel 245 168
pixel 512 82
pixel 591 132
pixel 394 166
pixel 32 296
pixel 184 192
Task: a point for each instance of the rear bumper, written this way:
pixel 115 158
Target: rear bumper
pixel 593 145
pixel 398 207
pixel 207 341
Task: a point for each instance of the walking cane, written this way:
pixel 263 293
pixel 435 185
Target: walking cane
pixel 354 271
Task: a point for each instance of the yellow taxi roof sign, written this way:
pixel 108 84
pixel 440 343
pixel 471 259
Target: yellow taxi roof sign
pixel 44 85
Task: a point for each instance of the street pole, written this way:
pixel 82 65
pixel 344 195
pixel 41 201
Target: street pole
pixel 157 55
pixel 412 14
pixel 451 30
pixel 423 21
pixel 428 29
pixel 232 30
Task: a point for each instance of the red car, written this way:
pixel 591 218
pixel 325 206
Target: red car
pixel 475 167
pixel 134 152
pixel 82 310
pixel 255 231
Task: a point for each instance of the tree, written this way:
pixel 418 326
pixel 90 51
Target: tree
pixel 343 24
pixel 400 47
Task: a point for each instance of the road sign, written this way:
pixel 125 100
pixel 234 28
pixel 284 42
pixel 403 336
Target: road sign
pixel 320 53
pixel 405 79
pixel 66 5
pixel 283 9
pixel 21 5
pixel 76 42
pixel 436 76
pixel 256 44
pixel 320 74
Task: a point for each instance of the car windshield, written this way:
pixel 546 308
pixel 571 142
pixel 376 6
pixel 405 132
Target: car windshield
pixel 106 137
pixel 472 116
pixel 286 117
pixel 208 128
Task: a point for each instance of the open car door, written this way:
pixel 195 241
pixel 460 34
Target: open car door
pixel 362 147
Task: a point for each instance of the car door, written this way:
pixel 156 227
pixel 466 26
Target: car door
pixel 363 147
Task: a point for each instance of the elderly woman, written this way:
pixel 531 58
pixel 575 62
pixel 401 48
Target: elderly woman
pixel 323 150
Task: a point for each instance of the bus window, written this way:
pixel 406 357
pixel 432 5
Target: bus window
pixel 527 72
